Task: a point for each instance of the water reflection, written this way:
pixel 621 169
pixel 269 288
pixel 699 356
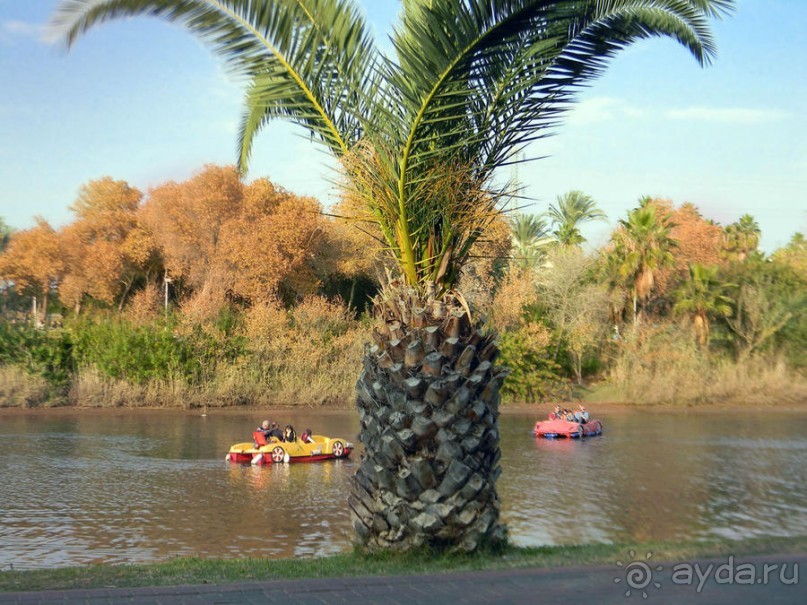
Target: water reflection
pixel 85 487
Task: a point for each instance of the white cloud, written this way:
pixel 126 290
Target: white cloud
pixel 22 29
pixel 730 115
pixel 602 109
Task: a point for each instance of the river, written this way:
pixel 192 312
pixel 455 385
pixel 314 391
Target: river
pixel 112 486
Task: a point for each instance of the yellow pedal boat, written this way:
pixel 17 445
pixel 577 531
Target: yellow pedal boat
pixel 261 451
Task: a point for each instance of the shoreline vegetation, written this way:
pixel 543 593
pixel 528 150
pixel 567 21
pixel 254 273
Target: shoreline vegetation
pixel 675 310
pixel 190 571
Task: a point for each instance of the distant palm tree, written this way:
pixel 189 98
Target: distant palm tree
pixel 641 246
pixel 702 297
pixel 529 237
pixel 420 135
pixel 573 209
pixel 5 234
pixel 742 237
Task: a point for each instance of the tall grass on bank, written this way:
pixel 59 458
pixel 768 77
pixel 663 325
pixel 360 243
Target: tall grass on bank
pixel 664 365
pixel 20 388
pixel 267 355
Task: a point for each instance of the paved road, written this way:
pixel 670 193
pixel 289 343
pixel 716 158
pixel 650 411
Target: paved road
pixel 714 581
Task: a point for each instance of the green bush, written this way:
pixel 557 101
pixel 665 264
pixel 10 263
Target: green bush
pixel 136 353
pixel 534 375
pixel 48 354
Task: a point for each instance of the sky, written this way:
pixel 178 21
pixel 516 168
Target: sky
pixel 143 101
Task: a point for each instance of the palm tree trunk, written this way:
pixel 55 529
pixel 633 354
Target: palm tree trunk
pixel 428 400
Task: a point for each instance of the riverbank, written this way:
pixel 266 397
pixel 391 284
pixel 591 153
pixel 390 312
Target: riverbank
pixel 538 410
pixel 190 571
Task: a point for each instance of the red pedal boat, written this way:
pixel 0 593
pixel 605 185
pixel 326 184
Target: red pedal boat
pixel 553 429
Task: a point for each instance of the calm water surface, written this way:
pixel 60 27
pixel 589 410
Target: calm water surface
pixel 111 487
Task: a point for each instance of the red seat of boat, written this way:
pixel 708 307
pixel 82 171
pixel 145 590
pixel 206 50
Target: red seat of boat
pixel 259 438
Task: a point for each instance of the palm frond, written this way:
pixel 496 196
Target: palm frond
pixel 307 60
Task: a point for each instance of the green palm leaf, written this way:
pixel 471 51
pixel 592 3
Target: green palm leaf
pixel 306 59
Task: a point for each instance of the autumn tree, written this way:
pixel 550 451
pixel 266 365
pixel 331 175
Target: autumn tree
pixel 33 260
pixel 697 241
pixel 107 249
pixel 187 219
pixel 487 264
pixel 273 254
pixel 224 239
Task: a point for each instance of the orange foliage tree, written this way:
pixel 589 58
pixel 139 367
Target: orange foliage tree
pixel 698 241
pixel 106 248
pixel 33 261
pixel 187 218
pixel 253 242
pixel 273 254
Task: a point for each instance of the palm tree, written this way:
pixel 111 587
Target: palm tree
pixel 641 246
pixel 702 297
pixel 574 208
pixel 5 234
pixel 742 237
pixel 420 135
pixel 529 237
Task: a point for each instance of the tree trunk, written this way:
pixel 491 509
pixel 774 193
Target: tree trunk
pixel 45 307
pixel 428 400
pixel 352 293
pixel 128 283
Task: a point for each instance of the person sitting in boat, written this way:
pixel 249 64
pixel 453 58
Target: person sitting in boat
pixel 265 428
pixel 581 415
pixel 289 436
pixel 568 415
pixel 555 414
pixel 307 436
pixel 275 433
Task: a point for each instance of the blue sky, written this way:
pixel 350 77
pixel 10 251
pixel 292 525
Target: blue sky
pixel 145 102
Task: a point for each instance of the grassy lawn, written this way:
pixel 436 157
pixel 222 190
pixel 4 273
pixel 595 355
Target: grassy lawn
pixel 221 571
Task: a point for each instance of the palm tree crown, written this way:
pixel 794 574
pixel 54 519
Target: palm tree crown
pixel 742 237
pixel 641 246
pixel 702 297
pixel 573 209
pixel 529 236
pixel 471 83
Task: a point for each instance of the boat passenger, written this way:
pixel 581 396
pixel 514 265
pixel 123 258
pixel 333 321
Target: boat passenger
pixel 555 414
pixel 583 415
pixel 265 428
pixel 275 433
pixel 289 435
pixel 307 436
